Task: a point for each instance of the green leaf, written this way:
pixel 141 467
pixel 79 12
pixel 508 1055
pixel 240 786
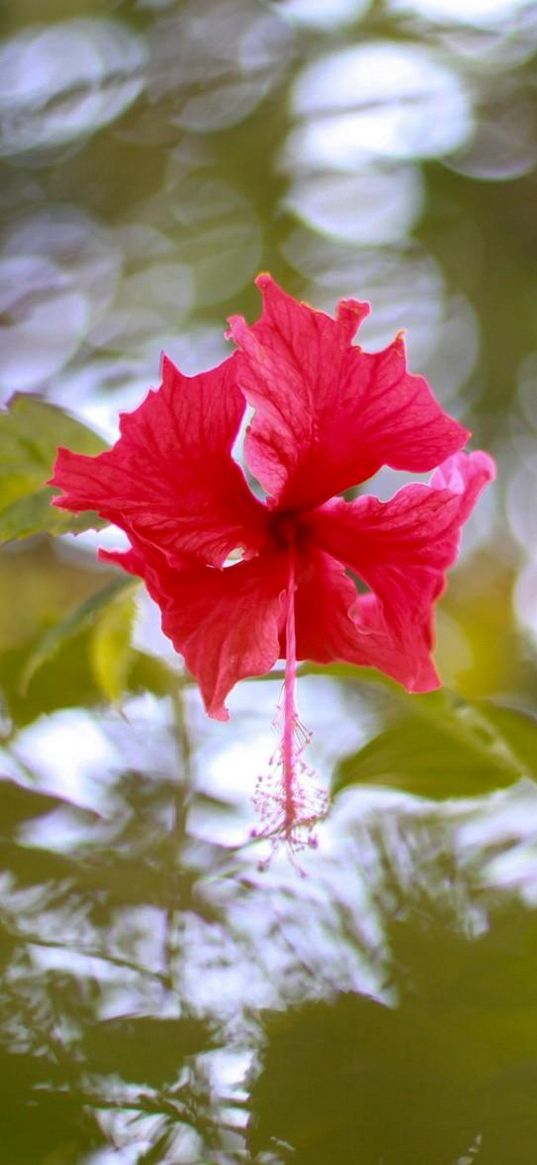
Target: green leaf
pixel 42 1117
pixel 110 646
pixel 49 612
pixel 147 673
pixel 446 747
pixel 31 430
pixel 74 622
pixel 19 804
pixel 35 514
pixel 518 730
pixel 66 680
pixel 144 1048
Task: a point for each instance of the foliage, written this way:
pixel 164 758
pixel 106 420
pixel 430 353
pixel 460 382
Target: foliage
pixel 450 1070
pixel 65 638
pixel 31 430
pixel 441 746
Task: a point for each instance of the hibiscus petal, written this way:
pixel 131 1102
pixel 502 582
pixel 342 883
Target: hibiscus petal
pixel 334 623
pixel 329 415
pixel 170 478
pixel 402 548
pixel 225 623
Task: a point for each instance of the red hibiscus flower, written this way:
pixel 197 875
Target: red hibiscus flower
pixel 327 416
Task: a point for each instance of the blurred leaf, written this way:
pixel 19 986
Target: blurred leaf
pixel 216 806
pixel 110 649
pixel 113 880
pixel 104 879
pixel 41 582
pixel 352 1080
pixel 35 866
pixel 67 680
pixel 159 1151
pixel 86 614
pixel 31 430
pixel 144 1048
pixel 42 1118
pixel 519 730
pixel 149 674
pixel 446 748
pixel 34 514
pixel 479 607
pixel 356 1082
pixel 19 804
pixel 50 610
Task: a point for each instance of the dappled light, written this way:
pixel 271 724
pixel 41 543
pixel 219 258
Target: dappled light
pixel 378 100
pixel 63 82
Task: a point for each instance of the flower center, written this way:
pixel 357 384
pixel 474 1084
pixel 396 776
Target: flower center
pixel 284 529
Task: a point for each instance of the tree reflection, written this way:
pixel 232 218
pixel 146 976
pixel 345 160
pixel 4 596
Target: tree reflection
pixel 388 1012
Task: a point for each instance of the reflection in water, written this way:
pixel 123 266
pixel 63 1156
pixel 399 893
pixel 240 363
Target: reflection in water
pixel 137 958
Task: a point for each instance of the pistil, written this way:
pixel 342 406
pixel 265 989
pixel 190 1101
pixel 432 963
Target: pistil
pixel 289 800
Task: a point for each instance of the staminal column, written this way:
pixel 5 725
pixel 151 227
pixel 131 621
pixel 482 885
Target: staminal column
pixel 290 715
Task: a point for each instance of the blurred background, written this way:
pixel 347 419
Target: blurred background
pixel 171 990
